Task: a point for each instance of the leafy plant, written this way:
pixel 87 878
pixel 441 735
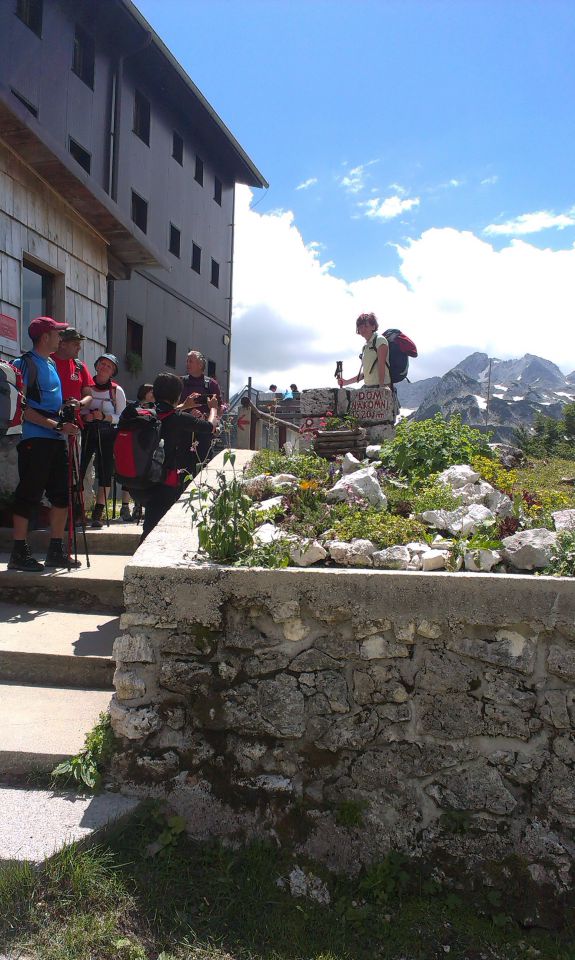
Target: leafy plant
pixel 495 473
pixel 428 446
pixel 385 881
pixel 435 496
pixel 171 828
pixel 274 555
pixel 456 821
pixel 346 422
pixel 304 466
pixel 223 517
pixel 562 563
pixel 88 766
pixel 350 813
pixel 383 529
pixel 484 538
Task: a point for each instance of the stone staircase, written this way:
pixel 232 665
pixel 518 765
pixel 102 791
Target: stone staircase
pixel 57 630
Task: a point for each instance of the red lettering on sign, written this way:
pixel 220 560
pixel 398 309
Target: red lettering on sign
pixel 8 327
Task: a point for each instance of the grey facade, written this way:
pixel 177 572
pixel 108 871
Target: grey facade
pixel 95 105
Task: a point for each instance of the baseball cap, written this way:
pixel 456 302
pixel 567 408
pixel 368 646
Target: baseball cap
pixel 72 334
pixel 44 325
pixel 111 358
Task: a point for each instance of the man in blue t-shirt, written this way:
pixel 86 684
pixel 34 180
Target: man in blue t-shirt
pixel 43 450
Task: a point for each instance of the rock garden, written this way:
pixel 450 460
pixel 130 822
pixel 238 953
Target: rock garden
pixel 438 496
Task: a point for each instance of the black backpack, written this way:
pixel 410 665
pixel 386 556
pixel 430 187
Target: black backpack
pixel 401 348
pixel 139 450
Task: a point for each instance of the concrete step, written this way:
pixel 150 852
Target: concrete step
pixel 98 587
pixel 41 726
pixel 121 538
pixel 57 647
pixel 35 824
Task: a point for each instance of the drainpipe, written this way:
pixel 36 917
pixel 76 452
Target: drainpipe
pixel 116 113
pixel 233 228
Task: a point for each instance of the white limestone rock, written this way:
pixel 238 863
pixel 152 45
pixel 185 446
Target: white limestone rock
pixel 394 558
pixel 499 503
pixel 415 562
pixel 416 549
pixel 529 549
pixel 267 533
pixel 459 476
pixel 481 560
pixel 133 723
pixel 350 464
pixel 564 519
pixel 373 451
pixel 474 492
pixel 270 504
pixel 284 481
pixel 307 552
pixel 434 560
pixel 254 486
pixel 357 553
pixel 363 484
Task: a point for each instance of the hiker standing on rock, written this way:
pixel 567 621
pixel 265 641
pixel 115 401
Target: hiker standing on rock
pixel 374 369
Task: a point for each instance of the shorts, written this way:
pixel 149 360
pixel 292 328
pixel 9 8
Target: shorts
pixel 42 468
pixel 98 442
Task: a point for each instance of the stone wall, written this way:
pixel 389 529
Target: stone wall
pixel 438 711
pixel 373 407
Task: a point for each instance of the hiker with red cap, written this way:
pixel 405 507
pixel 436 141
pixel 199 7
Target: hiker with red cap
pixel 43 450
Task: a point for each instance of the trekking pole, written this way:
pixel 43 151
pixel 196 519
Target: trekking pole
pixel 114 497
pixel 79 501
pixel 71 519
pixel 100 474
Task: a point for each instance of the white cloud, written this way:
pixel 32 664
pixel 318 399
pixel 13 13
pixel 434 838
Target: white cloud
pixel 389 208
pixel 454 293
pixel 490 180
pixel 307 184
pixel 532 223
pixel 355 180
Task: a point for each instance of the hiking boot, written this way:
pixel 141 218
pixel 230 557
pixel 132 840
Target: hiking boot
pixel 23 560
pixel 57 557
pixel 97 513
pixel 125 514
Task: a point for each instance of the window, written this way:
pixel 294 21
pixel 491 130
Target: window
pixel 196 258
pixel 199 172
pixel 37 294
pixel 175 237
pixel 171 354
pixel 80 155
pixel 178 148
pixel 29 106
pixel 139 212
pixel 134 337
pixel 218 191
pixel 211 368
pixel 84 57
pixel 30 13
pixel 142 117
pixel 215 278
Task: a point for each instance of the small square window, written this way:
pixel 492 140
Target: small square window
pixel 199 172
pixel 139 212
pixel 30 13
pixel 196 258
pixel 84 57
pixel 142 117
pixel 175 237
pixel 215 278
pixel 26 103
pixel 218 191
pixel 134 337
pixel 211 368
pixel 178 148
pixel 171 354
pixel 80 155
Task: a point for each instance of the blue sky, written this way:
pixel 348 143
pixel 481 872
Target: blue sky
pixel 402 122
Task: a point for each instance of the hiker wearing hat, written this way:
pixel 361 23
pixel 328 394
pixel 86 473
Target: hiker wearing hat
pixel 43 450
pixel 100 418
pixel 74 375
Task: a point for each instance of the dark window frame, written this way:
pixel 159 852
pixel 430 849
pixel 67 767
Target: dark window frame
pixel 31 13
pixel 215 274
pixel 47 296
pixel 196 263
pixel 171 353
pixel 25 102
pixel 80 154
pixel 134 337
pixel 84 56
pixel 199 171
pixel 211 368
pixel 178 148
pixel 175 241
pixel 139 212
pixel 218 189
pixel 142 119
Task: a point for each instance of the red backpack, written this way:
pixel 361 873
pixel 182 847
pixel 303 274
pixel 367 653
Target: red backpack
pixel 139 450
pixel 11 399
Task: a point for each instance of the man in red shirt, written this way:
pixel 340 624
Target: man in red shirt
pixel 74 375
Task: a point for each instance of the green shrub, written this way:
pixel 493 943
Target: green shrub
pixel 383 529
pixel 88 766
pixel 304 466
pixel 562 563
pixel 435 496
pixel 422 447
pixel 223 517
pixel 271 555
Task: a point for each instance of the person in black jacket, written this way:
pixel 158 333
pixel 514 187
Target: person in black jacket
pixel 177 428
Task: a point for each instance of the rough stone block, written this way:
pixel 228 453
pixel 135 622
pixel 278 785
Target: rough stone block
pixel 133 649
pixel 561 663
pixel 508 649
